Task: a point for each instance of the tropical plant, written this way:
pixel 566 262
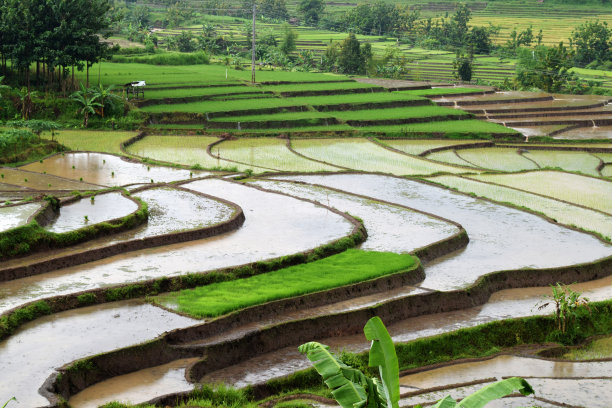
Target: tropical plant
pixel 567 303
pixel 104 96
pixel 86 102
pixel 353 389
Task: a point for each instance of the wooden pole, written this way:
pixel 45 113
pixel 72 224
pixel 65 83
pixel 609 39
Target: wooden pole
pixel 253 45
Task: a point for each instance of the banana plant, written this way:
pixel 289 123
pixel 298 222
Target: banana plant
pixel 487 394
pixel 353 389
pixel 350 387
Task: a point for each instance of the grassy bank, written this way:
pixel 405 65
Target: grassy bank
pixel 343 269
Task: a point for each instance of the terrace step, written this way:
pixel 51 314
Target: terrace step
pixel 403 121
pixel 545 114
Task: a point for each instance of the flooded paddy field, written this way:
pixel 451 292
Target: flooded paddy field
pixel 16 215
pixel 106 170
pixel 275 226
pixel 496 232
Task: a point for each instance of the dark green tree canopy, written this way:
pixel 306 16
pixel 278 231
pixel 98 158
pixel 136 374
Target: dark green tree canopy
pixel 311 10
pixel 592 42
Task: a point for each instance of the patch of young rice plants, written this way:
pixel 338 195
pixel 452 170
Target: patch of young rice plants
pixel 576 189
pixel 418 146
pixel 450 157
pixel 274 117
pixel 497 158
pixel 469 126
pixel 572 161
pixel 225 106
pixel 338 270
pixel 267 152
pixel 331 86
pixel 564 213
pixel 316 130
pixel 398 113
pixel 607 171
pixel 361 154
pixel 187 92
pixel 91 140
pixel 598 349
pixel 196 126
pixel 186 150
pixel 606 157
pixel 442 91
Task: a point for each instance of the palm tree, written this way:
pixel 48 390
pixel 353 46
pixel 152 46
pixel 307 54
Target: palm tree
pixel 87 103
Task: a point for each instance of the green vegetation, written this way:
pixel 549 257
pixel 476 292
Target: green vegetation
pixel 568 304
pixel 595 350
pixel 497 158
pixel 32 237
pixel 470 127
pixel 343 269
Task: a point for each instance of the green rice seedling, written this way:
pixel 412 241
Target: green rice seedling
pixel 450 157
pixel 418 146
pixel 268 152
pixel 361 154
pixel 450 127
pixel 572 161
pixel 338 270
pixel 496 158
pixel 573 188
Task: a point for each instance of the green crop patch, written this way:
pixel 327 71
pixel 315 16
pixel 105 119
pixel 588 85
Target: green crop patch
pixel 469 126
pixel 442 91
pixel 343 269
pixel 399 113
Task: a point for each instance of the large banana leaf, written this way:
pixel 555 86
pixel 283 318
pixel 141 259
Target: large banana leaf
pixel 383 356
pixel 350 387
pixel 487 394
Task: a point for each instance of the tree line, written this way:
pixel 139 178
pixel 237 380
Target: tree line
pixel 44 41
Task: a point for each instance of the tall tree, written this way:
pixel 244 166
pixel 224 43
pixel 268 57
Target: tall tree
pixel 311 10
pixel 351 59
pixel 546 68
pixel 592 42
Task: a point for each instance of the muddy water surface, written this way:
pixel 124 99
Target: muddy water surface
pixel 30 355
pixel 39 181
pixel 390 228
pixel 275 226
pixel 595 132
pixel 170 210
pixel 138 386
pixel 84 212
pixel 500 237
pixel 502 305
pixel 11 217
pixel 107 170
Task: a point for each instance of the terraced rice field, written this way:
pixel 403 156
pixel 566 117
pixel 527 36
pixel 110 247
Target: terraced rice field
pixel 302 198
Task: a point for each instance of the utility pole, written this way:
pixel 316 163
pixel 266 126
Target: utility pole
pixel 253 45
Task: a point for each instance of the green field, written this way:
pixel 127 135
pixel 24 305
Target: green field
pixel 92 140
pixel 338 270
pixel 495 158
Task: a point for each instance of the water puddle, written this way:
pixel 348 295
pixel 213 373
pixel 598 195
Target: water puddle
pixel 601 132
pixel 89 211
pixel 11 217
pixel 275 226
pixel 136 387
pixel 506 366
pixel 390 228
pixel 41 181
pixel 170 210
pixel 30 355
pixel 497 233
pixel 107 170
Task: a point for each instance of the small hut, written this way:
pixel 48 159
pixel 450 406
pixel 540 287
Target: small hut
pixel 134 88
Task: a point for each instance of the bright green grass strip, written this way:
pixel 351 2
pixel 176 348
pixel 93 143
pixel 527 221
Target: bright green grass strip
pixel 417 146
pixel 361 154
pixel 442 91
pixel 598 349
pixel 398 113
pixel 274 117
pixel 496 158
pixel 316 87
pixel 92 140
pixel 237 105
pixel 448 126
pixel 268 152
pixel 563 213
pixel 587 191
pixel 181 93
pixel 335 271
pixel 309 129
pixel 199 126
pixel 572 161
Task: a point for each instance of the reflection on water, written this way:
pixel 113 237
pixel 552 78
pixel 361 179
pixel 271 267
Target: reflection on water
pixel 107 170
pixel 135 387
pixel 275 226
pixel 84 212
pixel 30 355
pixel 11 217
pixel 500 237
pixel 390 228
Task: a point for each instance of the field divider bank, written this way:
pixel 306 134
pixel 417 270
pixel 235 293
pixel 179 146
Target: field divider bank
pixel 14 318
pixel 85 372
pixel 33 238
pixel 79 258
